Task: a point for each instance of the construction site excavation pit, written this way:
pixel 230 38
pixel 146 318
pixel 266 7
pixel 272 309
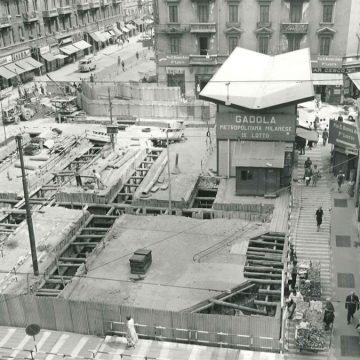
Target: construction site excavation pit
pixel 53 228
pixel 192 260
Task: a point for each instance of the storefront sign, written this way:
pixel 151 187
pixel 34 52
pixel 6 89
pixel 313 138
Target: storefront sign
pixel 21 55
pixel 329 61
pixel 5 60
pixel 294 28
pixel 256 126
pixel 174 70
pixel 173 60
pixel 343 135
pixel 44 49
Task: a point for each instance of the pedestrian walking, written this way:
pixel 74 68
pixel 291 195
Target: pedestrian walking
pixel 325 136
pixel 340 118
pixel 294 297
pixel 302 145
pixel 316 175
pixel 319 215
pixel 340 179
pixel 42 89
pixel 78 176
pixel 307 175
pixel 307 163
pixel 123 65
pixel 310 144
pixel 100 184
pixel 329 315
pixel 137 56
pixel 119 61
pixel 131 335
pixel 351 304
pixel 293 271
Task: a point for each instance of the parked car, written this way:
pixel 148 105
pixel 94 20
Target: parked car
pixel 86 65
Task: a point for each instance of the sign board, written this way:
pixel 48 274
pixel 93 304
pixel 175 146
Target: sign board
pixel 174 70
pixel 329 61
pixel 44 49
pixel 112 129
pixel 5 60
pixel 294 28
pixel 343 135
pixel 21 55
pixel 173 60
pixel 256 126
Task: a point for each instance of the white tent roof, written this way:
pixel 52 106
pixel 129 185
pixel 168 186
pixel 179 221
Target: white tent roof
pixel 258 81
pixel 355 78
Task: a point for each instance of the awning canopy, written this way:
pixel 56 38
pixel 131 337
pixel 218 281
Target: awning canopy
pixel 307 134
pixel 82 44
pixel 355 78
pixel 125 29
pixel 48 57
pixel 25 65
pixel 327 79
pixel 34 63
pixel 111 32
pixel 5 73
pixel 60 56
pixel 105 36
pixel 95 36
pixel 138 22
pixel 131 26
pixel 15 69
pixel 70 49
pixel 149 21
pixel 259 154
pixel 251 80
pixel 117 31
pixel 66 41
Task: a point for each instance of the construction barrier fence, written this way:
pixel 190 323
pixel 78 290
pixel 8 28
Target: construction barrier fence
pixel 92 318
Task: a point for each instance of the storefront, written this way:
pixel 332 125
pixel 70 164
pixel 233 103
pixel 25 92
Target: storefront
pixel 256 117
pixel 132 29
pixel 99 39
pixel 19 65
pixel 50 57
pixel 345 139
pixel 139 24
pixel 327 76
pixel 176 77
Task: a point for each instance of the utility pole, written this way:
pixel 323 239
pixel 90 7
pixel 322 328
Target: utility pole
pixel 27 207
pixel 112 136
pixel 168 169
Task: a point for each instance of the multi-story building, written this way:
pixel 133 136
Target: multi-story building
pixel 194 37
pixel 58 31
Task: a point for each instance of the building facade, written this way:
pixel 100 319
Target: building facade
pixel 194 37
pixel 55 32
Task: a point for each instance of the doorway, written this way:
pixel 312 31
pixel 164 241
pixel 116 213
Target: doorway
pixel 203 45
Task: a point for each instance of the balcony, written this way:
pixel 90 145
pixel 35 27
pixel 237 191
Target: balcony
pixel 83 7
pixel 105 2
pixel 116 2
pixel 171 28
pixel 5 22
pixel 30 17
pixel 94 4
pixel 203 60
pixel 203 28
pixel 65 10
pixel 263 24
pixel 50 13
pixel 294 28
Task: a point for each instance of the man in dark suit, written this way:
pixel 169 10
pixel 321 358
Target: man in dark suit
pixel 351 304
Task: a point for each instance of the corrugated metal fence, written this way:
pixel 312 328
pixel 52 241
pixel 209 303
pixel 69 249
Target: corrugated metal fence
pixel 252 332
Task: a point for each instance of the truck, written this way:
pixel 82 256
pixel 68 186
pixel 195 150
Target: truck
pixel 66 109
pixel 11 115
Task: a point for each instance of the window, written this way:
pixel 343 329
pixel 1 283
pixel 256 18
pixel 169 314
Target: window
pixel 263 43
pixel 328 13
pixel 246 175
pixel 35 5
pixel 325 45
pixel 233 13
pixel 173 13
pixel 203 13
pixel 7 8
pixel 264 13
pixel 295 12
pixel 21 32
pixel 46 5
pixel 17 7
pixel 26 2
pixel 203 45
pixel 294 41
pixel 174 45
pixel 233 43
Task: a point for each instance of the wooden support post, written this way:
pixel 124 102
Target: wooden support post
pixel 265 303
pixel 239 307
pixel 257 274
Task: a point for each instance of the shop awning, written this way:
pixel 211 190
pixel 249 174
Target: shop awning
pixel 34 63
pixel 111 32
pixel 138 22
pixel 66 41
pixel 15 69
pixel 70 49
pixel 95 36
pixel 25 65
pixel 259 154
pixel 5 73
pixel 327 79
pixel 105 36
pixel 131 26
pixel 257 81
pixel 125 29
pixel 307 134
pixel 149 21
pixel 48 57
pixel 355 78
pixel 60 56
pixel 117 31
pixel 82 44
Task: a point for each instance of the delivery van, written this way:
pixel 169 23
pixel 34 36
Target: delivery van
pixel 86 65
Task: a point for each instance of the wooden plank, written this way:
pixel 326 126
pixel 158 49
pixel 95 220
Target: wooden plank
pixel 87 236
pixel 273 237
pixel 266 243
pixel 266 281
pixel 257 274
pixel 265 303
pixel 85 243
pixel 253 248
pixel 270 292
pixel 263 262
pixel 240 307
pixel 72 259
pixel 262 268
